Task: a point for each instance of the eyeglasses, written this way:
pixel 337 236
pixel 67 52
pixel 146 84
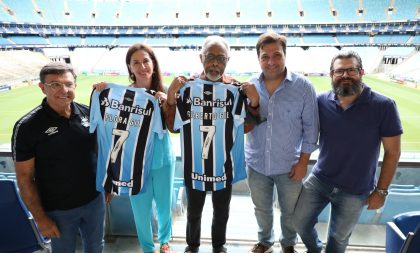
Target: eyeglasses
pixel 219 58
pixel 349 71
pixel 58 85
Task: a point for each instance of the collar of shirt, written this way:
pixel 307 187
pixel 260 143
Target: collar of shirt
pixel 288 80
pixel 74 109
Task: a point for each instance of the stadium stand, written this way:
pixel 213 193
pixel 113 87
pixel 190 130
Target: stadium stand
pixel 20 66
pixel 365 26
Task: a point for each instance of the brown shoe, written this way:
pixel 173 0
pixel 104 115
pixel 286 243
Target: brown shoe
pixel 261 248
pixel 288 249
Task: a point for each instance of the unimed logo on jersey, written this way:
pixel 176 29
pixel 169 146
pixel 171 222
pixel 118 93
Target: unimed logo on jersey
pixel 197 101
pixel 115 104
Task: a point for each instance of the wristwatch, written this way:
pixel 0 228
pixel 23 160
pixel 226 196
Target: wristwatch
pixel 382 192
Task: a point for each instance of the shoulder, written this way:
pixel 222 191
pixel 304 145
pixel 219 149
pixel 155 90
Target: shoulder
pixel 82 107
pixel 29 124
pixel 379 98
pixel 324 96
pixel 34 115
pixel 255 78
pixel 300 80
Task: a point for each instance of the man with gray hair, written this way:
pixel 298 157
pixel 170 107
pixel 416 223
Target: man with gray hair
pixel 354 122
pixel 210 112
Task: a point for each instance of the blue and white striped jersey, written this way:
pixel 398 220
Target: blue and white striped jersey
pixel 127 120
pixel 211 116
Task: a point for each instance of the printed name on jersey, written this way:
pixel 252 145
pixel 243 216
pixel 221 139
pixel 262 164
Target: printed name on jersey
pixel 122 120
pixel 218 103
pixel 51 130
pixel 115 104
pixel 204 178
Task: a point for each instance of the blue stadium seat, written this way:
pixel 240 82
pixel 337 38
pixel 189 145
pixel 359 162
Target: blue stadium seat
pixel 369 216
pixel 398 229
pixel 324 216
pixel 398 202
pixel 178 196
pixel 413 190
pixel 120 217
pixel 19 232
pixel 402 186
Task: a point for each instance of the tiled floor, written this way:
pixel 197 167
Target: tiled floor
pixel 129 245
pixel 242 233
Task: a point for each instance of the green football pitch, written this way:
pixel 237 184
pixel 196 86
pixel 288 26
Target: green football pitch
pixel 15 103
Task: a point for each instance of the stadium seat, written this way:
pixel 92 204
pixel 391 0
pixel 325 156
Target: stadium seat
pixel 19 232
pixel 402 186
pixel 369 216
pixel 399 202
pixel 413 190
pixel 120 217
pixel 178 197
pixel 324 216
pixel 402 233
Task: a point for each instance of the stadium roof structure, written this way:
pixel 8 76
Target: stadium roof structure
pixel 182 24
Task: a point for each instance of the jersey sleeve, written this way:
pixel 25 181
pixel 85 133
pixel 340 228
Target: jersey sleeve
pixel 181 115
pixel 158 121
pixel 239 109
pixel 94 111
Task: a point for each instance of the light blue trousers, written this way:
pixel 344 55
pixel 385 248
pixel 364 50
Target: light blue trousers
pixel 159 189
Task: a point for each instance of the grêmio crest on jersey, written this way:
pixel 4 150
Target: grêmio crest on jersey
pixel 126 121
pixel 211 118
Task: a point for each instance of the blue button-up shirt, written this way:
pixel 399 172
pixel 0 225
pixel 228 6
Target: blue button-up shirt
pixel 292 125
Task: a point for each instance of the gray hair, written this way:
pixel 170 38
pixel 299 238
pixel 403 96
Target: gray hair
pixel 55 68
pixel 214 40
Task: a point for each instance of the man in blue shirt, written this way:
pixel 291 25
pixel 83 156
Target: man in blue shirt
pixel 354 121
pixel 277 151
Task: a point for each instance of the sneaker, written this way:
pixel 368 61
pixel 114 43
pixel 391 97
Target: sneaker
pixel 261 248
pixel 164 248
pixel 288 249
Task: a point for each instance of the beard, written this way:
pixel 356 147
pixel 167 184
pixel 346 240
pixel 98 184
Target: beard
pixel 213 75
pixel 346 90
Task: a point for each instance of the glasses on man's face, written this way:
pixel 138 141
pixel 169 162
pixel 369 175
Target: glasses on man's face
pixel 58 85
pixel 349 71
pixel 219 58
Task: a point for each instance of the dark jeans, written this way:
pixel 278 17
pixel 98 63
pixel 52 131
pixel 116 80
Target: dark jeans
pixel 221 203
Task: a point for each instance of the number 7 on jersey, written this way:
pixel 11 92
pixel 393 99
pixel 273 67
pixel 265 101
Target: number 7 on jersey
pixel 211 130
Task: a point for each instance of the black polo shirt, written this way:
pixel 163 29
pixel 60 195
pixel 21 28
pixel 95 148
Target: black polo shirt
pixel 65 155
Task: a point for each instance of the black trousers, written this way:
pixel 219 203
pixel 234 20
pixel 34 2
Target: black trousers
pixel 221 202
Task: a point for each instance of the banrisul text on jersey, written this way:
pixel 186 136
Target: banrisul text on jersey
pixel 211 117
pixel 126 121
